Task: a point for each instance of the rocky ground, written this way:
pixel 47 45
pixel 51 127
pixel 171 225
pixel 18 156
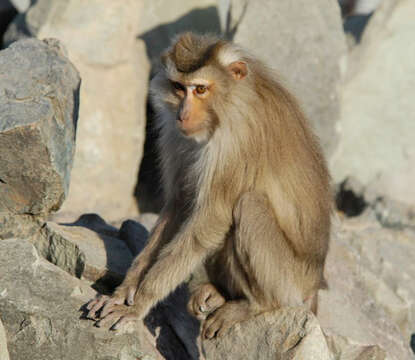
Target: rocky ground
pixel 71 151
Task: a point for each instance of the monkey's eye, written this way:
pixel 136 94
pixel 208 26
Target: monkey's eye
pixel 201 89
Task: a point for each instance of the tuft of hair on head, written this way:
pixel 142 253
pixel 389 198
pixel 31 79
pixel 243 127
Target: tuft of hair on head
pixel 191 51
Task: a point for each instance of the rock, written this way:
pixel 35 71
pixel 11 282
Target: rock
pixel 21 5
pixel 4 353
pixel 346 349
pixel 368 270
pixel 113 64
pixel 95 223
pixel 85 253
pixel 148 220
pixel 285 334
pixel 39 98
pixel 376 133
pixel 39 306
pixel 23 226
pixel 305 45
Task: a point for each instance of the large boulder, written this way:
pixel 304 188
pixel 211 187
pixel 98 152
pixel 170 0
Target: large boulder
pixel 39 99
pixel 101 40
pixel 4 353
pixel 376 127
pixel 370 297
pixel 304 44
pixel 284 334
pixel 40 311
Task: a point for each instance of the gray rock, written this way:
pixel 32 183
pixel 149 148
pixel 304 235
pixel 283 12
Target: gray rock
pixel 305 45
pixel 39 98
pixel 39 306
pixel 22 226
pixel 21 5
pixel 369 271
pixel 113 63
pixel 346 349
pixel 4 353
pixel 284 334
pixel 376 127
pixel 85 253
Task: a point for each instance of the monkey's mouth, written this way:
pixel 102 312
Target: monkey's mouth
pixel 189 130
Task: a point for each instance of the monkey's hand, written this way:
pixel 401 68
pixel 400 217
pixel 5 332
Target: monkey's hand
pixel 204 301
pixel 104 304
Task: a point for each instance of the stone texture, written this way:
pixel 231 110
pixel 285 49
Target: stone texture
pixel 305 45
pixel 4 353
pixel 82 252
pixel 113 64
pixel 289 334
pixel 22 226
pixel 370 296
pixel 39 101
pixel 39 305
pixel 376 127
pixel 346 349
pixel 21 5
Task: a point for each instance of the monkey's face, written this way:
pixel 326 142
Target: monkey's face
pixel 194 98
pixel 196 80
pixel 195 116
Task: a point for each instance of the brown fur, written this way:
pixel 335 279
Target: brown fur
pixel 248 204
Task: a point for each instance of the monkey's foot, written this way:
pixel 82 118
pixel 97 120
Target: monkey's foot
pixel 104 304
pixel 205 301
pixel 117 316
pixel 225 317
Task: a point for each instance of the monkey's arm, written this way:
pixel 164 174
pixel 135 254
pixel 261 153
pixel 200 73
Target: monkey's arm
pixel 127 290
pixel 201 234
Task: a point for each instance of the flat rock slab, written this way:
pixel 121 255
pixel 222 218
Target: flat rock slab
pixel 39 306
pixel 85 253
pixel 39 91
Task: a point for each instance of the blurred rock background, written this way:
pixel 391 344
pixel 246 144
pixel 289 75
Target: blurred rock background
pixel 68 151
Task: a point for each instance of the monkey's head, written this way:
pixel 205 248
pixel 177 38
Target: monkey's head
pixel 198 74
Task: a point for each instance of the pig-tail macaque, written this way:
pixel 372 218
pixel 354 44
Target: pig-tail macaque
pixel 247 194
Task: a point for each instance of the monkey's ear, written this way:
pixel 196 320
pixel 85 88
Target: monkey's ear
pixel 238 69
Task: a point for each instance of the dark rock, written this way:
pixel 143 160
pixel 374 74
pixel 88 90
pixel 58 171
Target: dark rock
pixel 135 236
pixel 39 101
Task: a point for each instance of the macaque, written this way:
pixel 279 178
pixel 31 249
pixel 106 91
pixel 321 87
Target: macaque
pixel 247 194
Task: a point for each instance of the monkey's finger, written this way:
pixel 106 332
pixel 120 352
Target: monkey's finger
pixel 196 309
pixel 111 318
pixel 124 320
pixel 95 306
pixel 93 301
pixel 110 305
pixel 223 329
pixel 214 302
pixel 131 295
pixel 212 328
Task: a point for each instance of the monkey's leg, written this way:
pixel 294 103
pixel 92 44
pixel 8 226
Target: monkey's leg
pixel 262 266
